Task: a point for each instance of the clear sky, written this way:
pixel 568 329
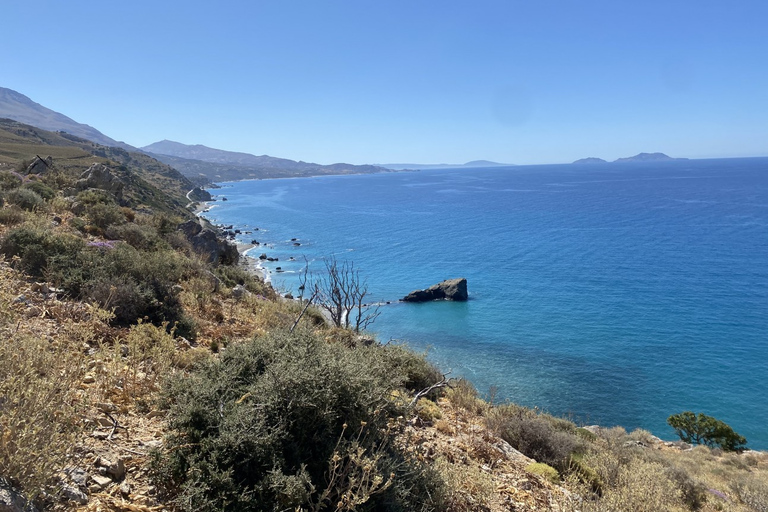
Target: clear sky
pixel 416 81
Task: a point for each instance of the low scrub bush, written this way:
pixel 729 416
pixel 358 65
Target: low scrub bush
pixel 105 215
pixel 545 471
pixel 117 276
pixel 289 422
pixel 139 237
pixel 94 196
pixel 232 275
pixel 632 485
pixel 41 189
pixel 24 198
pixel 10 180
pixel 37 248
pixel 11 216
pixel 38 415
pixel 462 394
pixel 536 436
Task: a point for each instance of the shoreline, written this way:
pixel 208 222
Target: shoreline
pixel 253 264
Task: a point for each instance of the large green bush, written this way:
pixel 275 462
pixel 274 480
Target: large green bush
pixel 290 421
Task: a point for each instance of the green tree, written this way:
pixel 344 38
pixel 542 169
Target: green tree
pixel 702 429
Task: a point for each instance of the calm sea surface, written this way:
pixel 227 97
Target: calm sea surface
pixel 618 293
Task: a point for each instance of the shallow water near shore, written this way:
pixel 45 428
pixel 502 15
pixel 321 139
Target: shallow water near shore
pixel 616 293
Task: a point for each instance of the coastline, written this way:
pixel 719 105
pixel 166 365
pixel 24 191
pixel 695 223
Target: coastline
pixel 285 234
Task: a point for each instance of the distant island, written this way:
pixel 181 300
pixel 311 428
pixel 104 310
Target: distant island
pixel 591 160
pixel 640 157
pixel 648 157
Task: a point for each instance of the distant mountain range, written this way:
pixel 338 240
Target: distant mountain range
pixel 417 167
pixel 640 157
pixel 199 163
pixel 16 106
pixel 203 164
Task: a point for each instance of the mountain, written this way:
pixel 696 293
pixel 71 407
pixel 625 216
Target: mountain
pixel 16 106
pixel 472 164
pixel 203 164
pixel 590 160
pixel 149 183
pixel 648 157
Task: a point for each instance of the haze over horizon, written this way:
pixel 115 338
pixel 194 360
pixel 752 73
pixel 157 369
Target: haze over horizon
pixel 427 82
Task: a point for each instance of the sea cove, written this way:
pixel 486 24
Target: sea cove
pixel 615 293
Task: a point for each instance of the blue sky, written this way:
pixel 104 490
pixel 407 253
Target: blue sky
pixel 413 81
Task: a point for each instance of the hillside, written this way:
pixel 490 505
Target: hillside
pixel 202 164
pixel 16 106
pixel 152 183
pixel 142 371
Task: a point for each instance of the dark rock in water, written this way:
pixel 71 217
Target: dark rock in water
pixel 237 231
pixel 255 242
pixel 451 289
pixel 294 239
pixel 296 244
pixel 263 256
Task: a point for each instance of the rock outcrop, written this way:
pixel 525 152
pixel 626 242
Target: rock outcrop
pixel 451 289
pixel 199 194
pixel 207 242
pixel 101 177
pixel 40 166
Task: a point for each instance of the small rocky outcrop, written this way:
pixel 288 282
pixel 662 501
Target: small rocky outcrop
pixel 451 289
pixel 101 177
pixel 40 165
pixel 207 242
pixel 13 501
pixel 198 194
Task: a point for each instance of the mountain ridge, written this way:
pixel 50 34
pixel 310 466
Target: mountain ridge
pixel 205 164
pixel 18 107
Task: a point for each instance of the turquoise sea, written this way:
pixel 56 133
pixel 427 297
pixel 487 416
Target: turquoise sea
pixel 617 294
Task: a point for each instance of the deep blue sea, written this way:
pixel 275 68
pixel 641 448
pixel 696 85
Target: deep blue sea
pixel 617 294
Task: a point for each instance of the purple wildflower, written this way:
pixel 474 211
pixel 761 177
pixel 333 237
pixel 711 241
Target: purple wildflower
pixel 101 245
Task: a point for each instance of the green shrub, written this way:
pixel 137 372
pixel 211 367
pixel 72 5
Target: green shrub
pixel 545 471
pixel 143 238
pixel 94 196
pixel 232 275
pixel 105 215
pixel 10 180
pixel 535 436
pixel 289 421
pixel 11 216
pixel 41 189
pixel 703 429
pixel 692 492
pixel 24 198
pixel 37 249
pixel 78 223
